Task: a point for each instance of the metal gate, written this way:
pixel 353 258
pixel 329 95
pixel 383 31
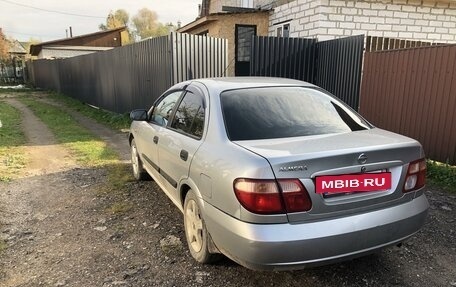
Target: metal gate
pixel 334 65
pixel 338 68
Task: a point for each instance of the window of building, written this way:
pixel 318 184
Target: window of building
pixel 247 3
pixel 203 33
pixel 244 34
pixel 286 30
pixel 283 28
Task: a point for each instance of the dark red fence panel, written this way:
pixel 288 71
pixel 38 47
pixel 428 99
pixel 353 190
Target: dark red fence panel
pixel 413 92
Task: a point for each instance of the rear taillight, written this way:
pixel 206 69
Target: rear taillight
pixel 271 197
pixel 416 175
pixel 295 195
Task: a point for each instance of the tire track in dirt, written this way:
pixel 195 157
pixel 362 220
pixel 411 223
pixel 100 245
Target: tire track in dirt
pixel 42 152
pixel 49 212
pixel 116 140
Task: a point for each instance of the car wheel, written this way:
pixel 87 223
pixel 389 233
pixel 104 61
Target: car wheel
pixel 195 231
pixel 138 171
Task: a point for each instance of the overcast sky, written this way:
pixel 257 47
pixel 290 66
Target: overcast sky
pixel 23 23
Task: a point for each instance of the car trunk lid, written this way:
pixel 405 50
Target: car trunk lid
pixel 368 151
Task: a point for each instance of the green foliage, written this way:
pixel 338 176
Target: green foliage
pixel 110 119
pixel 117 19
pixel 142 25
pixel 11 139
pixel 4 47
pixel 89 149
pixel 442 174
pixel 147 25
pixel 11 131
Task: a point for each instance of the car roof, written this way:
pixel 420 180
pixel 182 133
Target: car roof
pixel 228 83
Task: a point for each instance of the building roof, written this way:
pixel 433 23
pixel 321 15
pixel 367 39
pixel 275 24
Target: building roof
pixel 76 48
pixel 16 48
pixel 215 17
pixel 92 39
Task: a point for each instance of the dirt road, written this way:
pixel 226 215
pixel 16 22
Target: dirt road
pixel 62 228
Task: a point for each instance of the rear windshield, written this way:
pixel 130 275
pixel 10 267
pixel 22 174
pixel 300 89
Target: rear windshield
pixel 279 112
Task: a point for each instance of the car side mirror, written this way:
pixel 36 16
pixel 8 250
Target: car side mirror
pixel 138 115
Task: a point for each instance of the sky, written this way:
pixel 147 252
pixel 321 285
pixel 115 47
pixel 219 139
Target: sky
pixel 23 23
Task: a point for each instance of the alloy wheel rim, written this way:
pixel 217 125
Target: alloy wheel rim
pixel 134 160
pixel 194 225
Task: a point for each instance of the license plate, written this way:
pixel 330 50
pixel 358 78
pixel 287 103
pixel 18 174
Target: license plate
pixel 364 182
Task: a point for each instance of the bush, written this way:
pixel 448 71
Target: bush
pixel 442 174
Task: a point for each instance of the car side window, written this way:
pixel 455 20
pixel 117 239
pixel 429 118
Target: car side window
pixel 189 117
pixel 163 109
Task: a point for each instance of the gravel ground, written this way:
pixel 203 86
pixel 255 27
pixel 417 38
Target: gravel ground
pixel 64 228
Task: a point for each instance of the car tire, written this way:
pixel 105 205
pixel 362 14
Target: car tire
pixel 138 170
pixel 198 238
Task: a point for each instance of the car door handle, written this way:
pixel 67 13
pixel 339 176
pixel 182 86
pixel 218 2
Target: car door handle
pixel 184 155
pixel 155 139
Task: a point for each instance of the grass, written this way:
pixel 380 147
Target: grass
pixel 119 208
pixel 9 91
pixel 442 175
pixel 110 119
pixel 119 174
pixel 2 245
pixel 11 140
pixel 87 148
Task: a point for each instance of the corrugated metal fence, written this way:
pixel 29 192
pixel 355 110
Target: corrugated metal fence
pixel 374 43
pixel 412 92
pixel 339 65
pixel 133 76
pixel 334 65
pixel 283 57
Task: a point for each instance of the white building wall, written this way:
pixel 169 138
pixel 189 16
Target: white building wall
pixel 421 20
pixel 216 5
pixel 64 53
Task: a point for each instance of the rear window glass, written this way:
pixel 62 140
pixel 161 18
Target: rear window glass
pixel 279 112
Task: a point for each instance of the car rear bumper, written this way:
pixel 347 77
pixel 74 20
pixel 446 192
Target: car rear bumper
pixel 293 246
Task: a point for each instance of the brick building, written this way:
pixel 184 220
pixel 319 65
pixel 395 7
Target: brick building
pixel 422 20
pixel 236 21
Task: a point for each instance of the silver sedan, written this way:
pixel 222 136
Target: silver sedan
pixel 278 174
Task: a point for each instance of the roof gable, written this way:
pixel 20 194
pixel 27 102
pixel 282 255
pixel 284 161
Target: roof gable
pixel 109 38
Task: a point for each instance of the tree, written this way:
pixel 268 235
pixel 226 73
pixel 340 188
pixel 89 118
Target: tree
pixel 146 24
pixel 31 41
pixel 4 47
pixel 119 18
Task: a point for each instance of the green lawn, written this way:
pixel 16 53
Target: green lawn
pixel 87 147
pixel 110 119
pixel 11 140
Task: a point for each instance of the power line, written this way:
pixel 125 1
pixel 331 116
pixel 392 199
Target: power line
pixel 27 34
pixel 52 11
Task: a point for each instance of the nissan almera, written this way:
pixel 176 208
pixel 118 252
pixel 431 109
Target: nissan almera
pixel 278 174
